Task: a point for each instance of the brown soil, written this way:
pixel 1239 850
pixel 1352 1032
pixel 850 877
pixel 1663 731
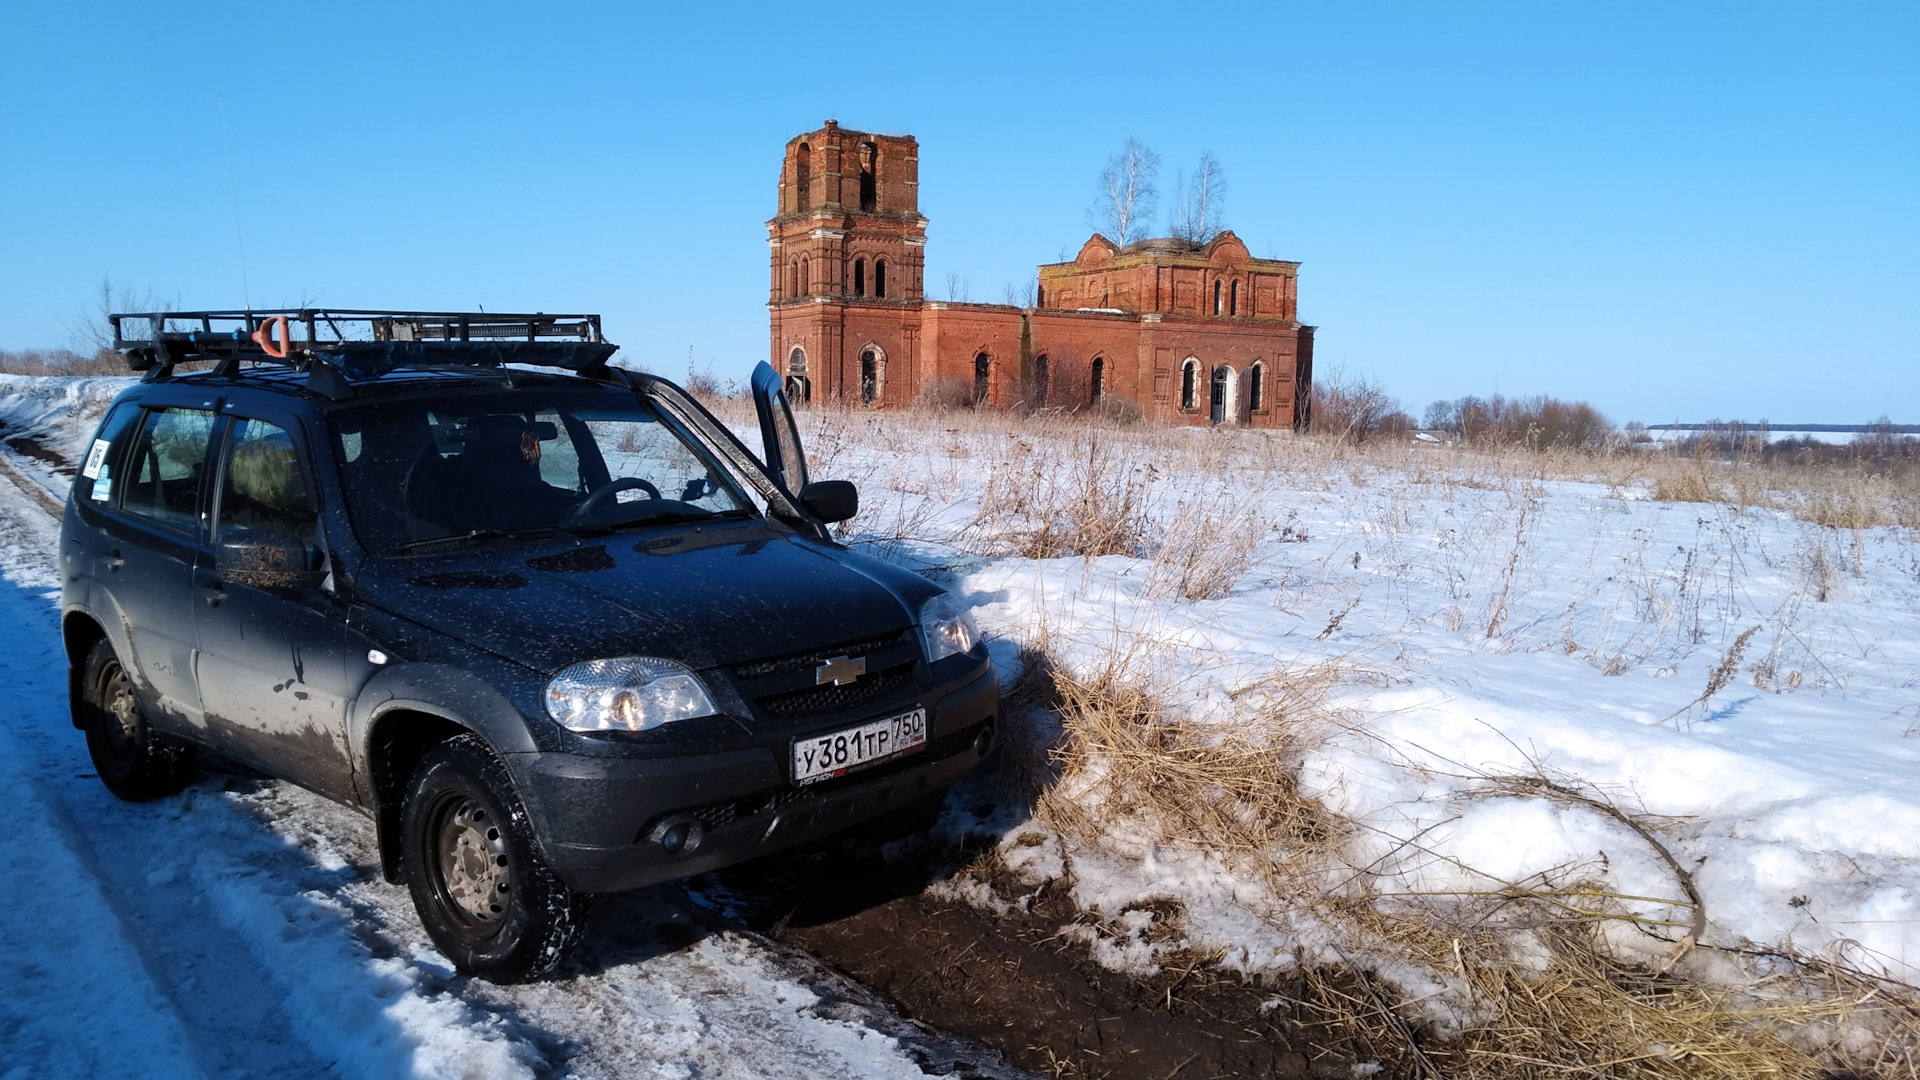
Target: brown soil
pixel 31 446
pixel 1015 984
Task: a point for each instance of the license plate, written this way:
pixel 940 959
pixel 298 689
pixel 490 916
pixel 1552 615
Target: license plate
pixel 840 752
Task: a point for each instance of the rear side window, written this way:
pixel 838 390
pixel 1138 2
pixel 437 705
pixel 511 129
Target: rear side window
pixel 261 486
pixel 167 468
pixel 102 465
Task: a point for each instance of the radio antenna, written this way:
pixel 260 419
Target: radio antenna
pixel 233 189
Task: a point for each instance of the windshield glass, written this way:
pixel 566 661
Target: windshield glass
pixel 425 471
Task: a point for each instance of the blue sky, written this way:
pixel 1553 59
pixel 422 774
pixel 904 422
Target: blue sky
pixel 1673 211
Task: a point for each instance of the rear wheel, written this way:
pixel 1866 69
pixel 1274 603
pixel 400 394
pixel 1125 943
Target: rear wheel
pixel 488 900
pixel 134 761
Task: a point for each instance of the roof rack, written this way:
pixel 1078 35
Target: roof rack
pixel 333 344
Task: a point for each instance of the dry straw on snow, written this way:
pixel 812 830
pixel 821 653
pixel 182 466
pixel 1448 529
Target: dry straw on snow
pixel 1534 968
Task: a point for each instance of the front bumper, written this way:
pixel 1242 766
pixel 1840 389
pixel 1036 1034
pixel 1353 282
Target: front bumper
pixel 593 816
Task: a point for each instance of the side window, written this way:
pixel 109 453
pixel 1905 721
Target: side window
pixel 165 470
pixel 261 486
pixel 109 448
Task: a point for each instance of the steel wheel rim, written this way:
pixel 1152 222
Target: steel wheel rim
pixel 470 864
pixel 117 702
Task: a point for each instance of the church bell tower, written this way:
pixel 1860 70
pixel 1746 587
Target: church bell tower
pixel 847 259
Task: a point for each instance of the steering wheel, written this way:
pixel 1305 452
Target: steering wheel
pixel 605 491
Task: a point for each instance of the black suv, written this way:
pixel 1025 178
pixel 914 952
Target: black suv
pixel 557 631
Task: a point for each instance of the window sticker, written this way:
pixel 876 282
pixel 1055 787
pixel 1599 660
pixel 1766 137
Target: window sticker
pixel 96 459
pixel 103 489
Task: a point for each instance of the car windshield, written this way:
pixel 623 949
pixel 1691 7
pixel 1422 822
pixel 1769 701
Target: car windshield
pixel 420 473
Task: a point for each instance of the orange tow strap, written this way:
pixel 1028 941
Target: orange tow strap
pixel 266 343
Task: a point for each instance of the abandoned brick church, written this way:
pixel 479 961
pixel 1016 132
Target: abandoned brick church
pixel 1187 333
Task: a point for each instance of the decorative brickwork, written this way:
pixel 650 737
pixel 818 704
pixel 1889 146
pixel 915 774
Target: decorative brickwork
pixel 1187 333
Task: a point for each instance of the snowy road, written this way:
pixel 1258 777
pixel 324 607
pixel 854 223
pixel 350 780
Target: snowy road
pixel 240 929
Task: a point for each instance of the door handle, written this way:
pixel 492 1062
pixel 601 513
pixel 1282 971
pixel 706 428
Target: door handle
pixel 210 586
pixel 113 559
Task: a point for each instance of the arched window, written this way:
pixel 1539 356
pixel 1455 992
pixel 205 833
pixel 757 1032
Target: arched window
pixel 1189 376
pixel 799 387
pixel 869 171
pixel 859 277
pixel 880 278
pixel 1257 387
pixel 982 376
pixel 806 285
pixel 869 377
pixel 1099 379
pixel 1216 296
pixel 803 178
pixel 793 277
pixel 1041 375
pixel 1040 296
pixel 1220 401
pixel 1233 299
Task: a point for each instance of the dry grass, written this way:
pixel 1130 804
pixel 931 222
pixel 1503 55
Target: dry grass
pixel 1039 506
pixel 1533 966
pixel 1207 546
pixel 1537 968
pixel 1121 757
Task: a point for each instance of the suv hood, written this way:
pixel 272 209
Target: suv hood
pixel 707 596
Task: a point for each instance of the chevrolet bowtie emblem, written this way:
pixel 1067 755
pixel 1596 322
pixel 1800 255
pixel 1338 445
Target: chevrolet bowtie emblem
pixel 840 670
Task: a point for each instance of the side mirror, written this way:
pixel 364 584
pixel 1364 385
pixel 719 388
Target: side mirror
pixel 831 500
pixel 264 559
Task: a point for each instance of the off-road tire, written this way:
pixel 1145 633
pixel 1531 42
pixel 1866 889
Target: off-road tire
pixel 136 762
pixel 488 900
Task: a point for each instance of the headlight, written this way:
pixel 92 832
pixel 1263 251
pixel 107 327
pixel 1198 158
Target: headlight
pixel 946 627
pixel 631 693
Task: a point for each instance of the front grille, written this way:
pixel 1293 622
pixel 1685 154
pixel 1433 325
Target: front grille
pixel 816 657
pixel 832 698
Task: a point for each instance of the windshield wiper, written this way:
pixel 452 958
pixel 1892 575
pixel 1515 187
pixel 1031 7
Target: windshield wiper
pixel 473 537
pixel 665 517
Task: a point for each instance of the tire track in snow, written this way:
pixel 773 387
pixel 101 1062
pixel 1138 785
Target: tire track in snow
pixel 259 908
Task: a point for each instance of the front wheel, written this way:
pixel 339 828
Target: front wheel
pixel 488 900
pixel 136 762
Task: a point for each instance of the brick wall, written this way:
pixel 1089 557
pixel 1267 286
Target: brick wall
pixel 849 202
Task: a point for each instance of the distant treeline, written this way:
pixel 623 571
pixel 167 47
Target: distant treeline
pixel 61 362
pixel 1357 407
pixel 1538 422
pixel 1880 441
pixel 1717 425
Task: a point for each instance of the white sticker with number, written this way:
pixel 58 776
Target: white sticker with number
pixel 96 457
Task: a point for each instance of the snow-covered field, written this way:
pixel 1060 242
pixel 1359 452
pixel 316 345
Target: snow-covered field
pixel 1437 636
pixel 1484 631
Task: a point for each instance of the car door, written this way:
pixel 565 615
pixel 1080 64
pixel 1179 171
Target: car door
pixel 154 532
pixel 273 676
pixel 778 432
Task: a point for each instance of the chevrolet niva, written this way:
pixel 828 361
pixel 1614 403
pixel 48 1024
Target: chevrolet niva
pixel 547 621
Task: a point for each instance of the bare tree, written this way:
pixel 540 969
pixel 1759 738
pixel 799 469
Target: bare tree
pixel 1123 210
pixel 1024 295
pixel 959 289
pixel 1197 205
pixel 90 332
